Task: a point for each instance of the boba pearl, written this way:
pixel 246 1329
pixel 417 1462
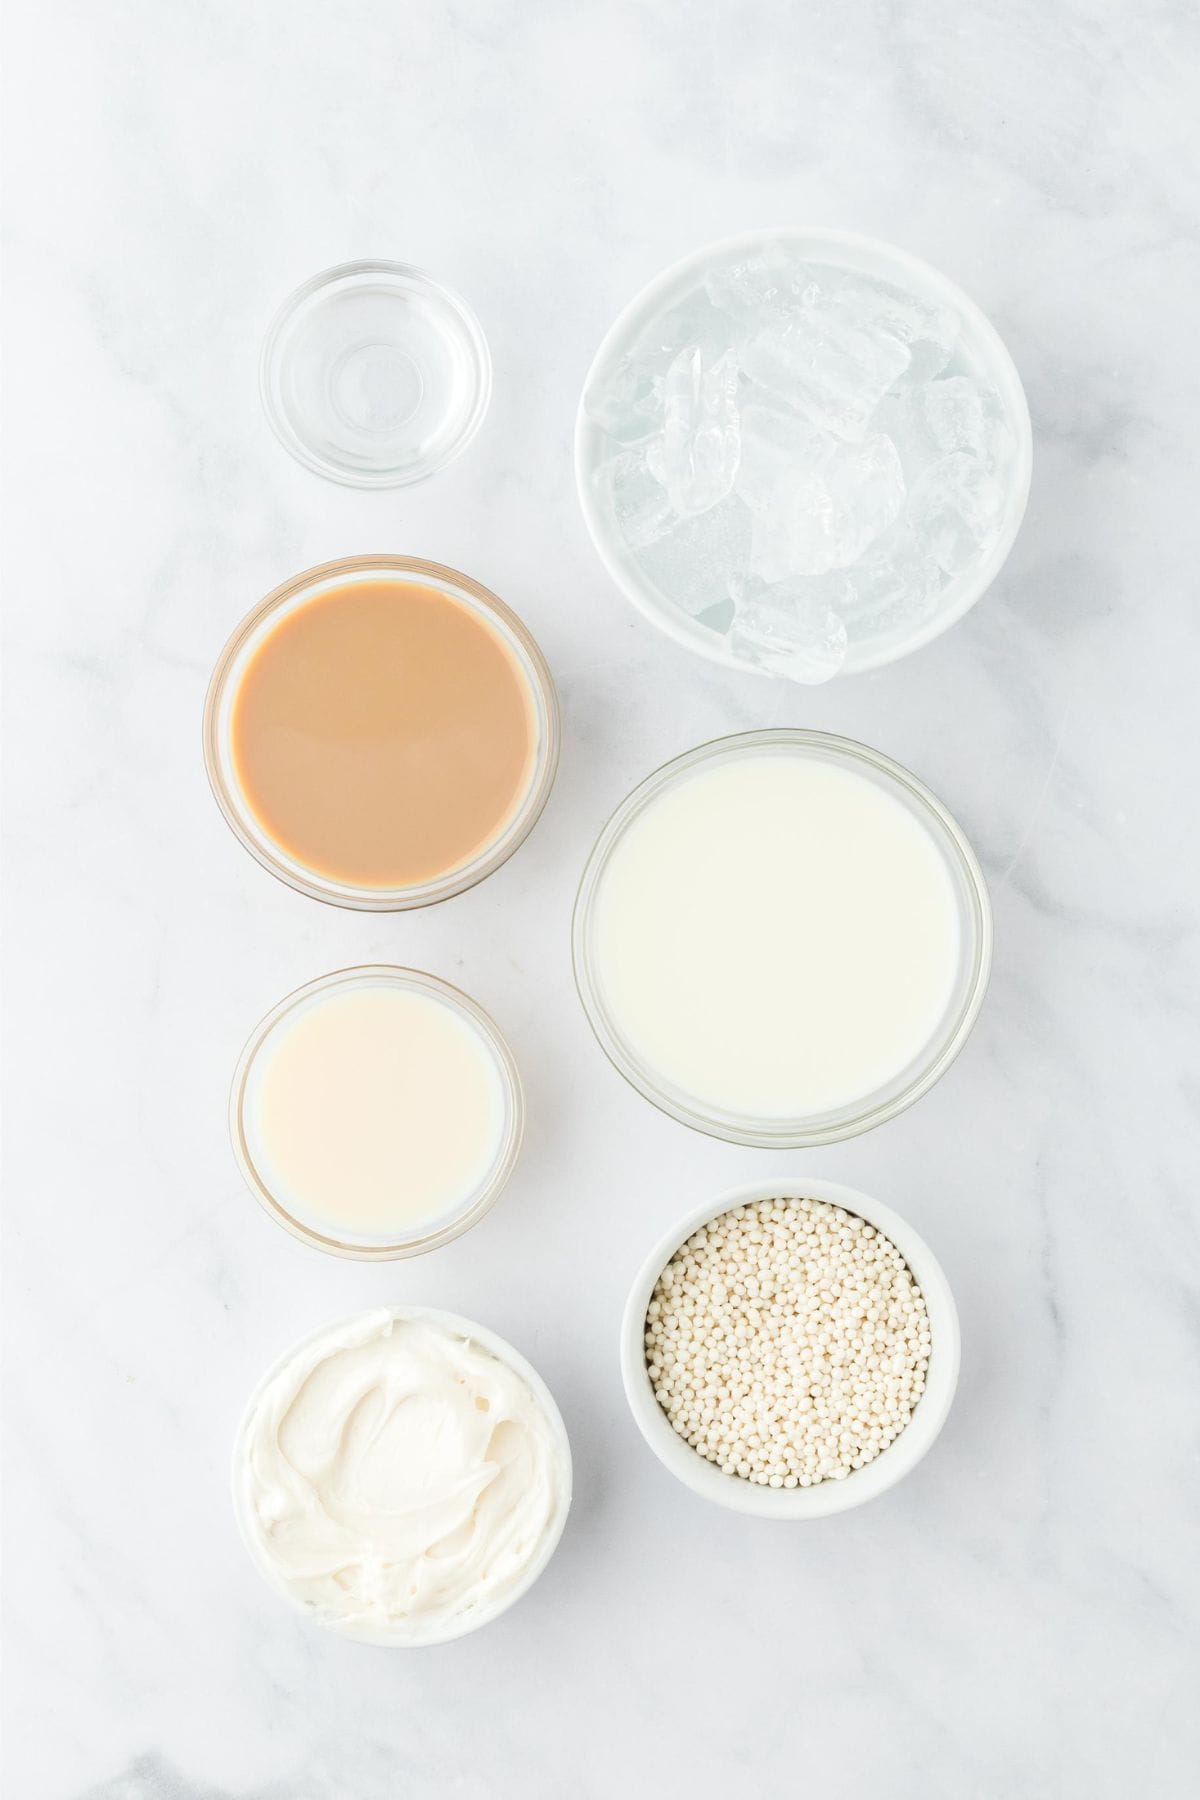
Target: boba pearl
pixel 787 1342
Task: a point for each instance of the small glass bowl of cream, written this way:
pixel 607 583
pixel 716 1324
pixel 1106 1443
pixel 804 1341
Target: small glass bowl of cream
pixel 376 1112
pixel 381 732
pixel 782 938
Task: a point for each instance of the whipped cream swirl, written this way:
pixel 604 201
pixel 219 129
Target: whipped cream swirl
pixel 399 1479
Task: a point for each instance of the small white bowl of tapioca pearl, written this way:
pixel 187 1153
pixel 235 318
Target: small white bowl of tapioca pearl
pixel 790 1350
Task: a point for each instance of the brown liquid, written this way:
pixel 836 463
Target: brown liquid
pixel 384 734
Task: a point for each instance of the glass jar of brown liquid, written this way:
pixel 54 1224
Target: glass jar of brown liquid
pixel 381 732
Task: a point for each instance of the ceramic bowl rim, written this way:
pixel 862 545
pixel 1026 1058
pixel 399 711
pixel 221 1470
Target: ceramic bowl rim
pixel 505 1353
pixel 670 619
pixel 827 1497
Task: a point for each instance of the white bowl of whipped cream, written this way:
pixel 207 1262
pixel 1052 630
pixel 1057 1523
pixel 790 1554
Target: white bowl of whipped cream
pixel 402 1477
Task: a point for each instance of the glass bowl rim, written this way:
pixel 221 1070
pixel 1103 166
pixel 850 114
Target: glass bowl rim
pixel 421 981
pixel 411 273
pixel 239 816
pixel 790 1135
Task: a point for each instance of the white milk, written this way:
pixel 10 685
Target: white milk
pixel 776 936
pixel 374 1110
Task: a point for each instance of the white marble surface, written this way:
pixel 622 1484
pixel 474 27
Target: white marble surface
pixel 1019 1617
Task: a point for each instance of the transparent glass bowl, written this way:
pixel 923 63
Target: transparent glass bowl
pixel 473 1206
pixel 970 985
pixel 981 346
pixel 234 660
pixel 374 374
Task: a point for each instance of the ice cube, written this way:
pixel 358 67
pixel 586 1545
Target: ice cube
pixel 817 501
pixel 754 287
pixel 896 418
pixel 824 363
pixel 896 584
pixel 694 561
pixel 776 443
pixel 954 413
pixel 959 413
pixel 929 332
pixel 790 536
pixel 771 284
pixel 696 455
pixel 693 323
pixel 625 398
pixel 866 483
pixel 954 510
pixel 792 628
pixel 635 499
pixel 718 617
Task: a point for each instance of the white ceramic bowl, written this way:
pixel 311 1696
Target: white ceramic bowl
pixel 504 1352
pixel 901 1455
pixel 982 347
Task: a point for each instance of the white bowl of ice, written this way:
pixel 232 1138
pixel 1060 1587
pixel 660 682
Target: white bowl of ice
pixel 803 452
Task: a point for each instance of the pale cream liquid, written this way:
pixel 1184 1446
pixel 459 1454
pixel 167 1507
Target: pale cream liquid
pixel 776 936
pixel 374 1111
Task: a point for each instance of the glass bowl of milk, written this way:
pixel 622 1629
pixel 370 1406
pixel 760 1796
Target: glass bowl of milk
pixel 782 938
pixel 376 1112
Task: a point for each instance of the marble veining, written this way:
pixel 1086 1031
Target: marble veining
pixel 1019 1617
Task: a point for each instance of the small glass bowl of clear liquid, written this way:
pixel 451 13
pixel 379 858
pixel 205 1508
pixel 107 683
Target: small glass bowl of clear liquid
pixel 374 374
